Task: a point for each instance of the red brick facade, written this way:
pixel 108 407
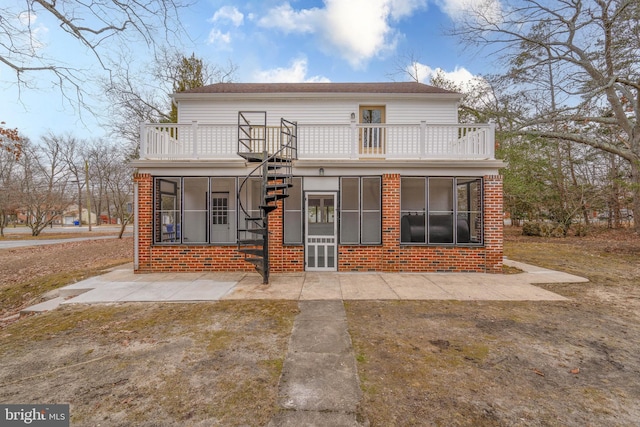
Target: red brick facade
pixel 391 256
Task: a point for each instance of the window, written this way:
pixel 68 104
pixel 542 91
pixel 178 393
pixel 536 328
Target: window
pixel 167 207
pixel 219 208
pixel 293 214
pixel 360 210
pixel 451 215
pixel 195 210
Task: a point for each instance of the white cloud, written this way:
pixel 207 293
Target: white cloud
pixel 460 75
pixel 287 20
pixel 35 36
pixel 27 18
pixel 481 10
pixel 228 13
pixel 358 30
pixel 296 73
pixel 218 38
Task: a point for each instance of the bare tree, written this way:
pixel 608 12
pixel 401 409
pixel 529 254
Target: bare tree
pixel 10 153
pixel 102 27
pixel 120 190
pixel 43 183
pixel 139 96
pixel 588 52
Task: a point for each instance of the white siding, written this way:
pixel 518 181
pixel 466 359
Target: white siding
pixel 319 111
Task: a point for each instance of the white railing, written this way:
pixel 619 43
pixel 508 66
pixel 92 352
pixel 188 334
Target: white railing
pixel 325 141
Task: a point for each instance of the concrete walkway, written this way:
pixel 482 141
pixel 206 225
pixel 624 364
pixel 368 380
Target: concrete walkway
pixel 319 385
pixel 122 285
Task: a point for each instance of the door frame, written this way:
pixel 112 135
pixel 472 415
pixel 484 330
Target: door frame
pixel 372 133
pixel 324 245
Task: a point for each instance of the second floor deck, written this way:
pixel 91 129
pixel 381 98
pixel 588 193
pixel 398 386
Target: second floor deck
pixel 420 141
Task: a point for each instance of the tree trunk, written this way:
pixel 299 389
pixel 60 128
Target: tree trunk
pixel 635 189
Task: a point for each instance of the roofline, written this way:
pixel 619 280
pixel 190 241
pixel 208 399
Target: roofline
pixel 386 90
pixel 312 95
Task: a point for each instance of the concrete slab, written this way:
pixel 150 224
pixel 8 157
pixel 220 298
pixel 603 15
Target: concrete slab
pixel 121 285
pixel 48 305
pixel 365 286
pixel 113 292
pixel 203 290
pixel 313 419
pixel 319 382
pixel 472 291
pixel 321 286
pixel 281 286
pixel 414 286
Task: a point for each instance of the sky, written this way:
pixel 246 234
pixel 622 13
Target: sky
pixel 268 41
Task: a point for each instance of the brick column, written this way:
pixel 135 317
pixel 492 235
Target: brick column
pixel 145 220
pixel 390 260
pixel 493 223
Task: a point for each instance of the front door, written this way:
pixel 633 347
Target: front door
pixel 372 137
pixel 321 232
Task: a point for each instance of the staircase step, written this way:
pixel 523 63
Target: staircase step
pixel 254 218
pixel 275 197
pixel 252 251
pixel 268 208
pixel 251 242
pixel 280 159
pixel 273 176
pixel 257 262
pixel 251 157
pixel 271 187
pixel 255 230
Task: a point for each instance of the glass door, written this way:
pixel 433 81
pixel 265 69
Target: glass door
pixel 372 134
pixel 321 232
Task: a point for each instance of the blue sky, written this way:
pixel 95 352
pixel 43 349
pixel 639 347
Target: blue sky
pixel 268 40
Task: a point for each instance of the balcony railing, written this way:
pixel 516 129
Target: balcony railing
pixel 324 141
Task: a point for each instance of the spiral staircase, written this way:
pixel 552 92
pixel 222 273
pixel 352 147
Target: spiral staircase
pixel 272 151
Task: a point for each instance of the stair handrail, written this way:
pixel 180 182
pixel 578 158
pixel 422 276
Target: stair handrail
pixel 290 144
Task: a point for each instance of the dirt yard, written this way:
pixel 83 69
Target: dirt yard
pixel 572 363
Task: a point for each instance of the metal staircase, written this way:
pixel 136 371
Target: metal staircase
pixel 273 151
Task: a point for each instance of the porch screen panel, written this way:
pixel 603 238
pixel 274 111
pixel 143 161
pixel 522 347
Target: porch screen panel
pixel 441 210
pixel 412 210
pixel 469 210
pixel 195 200
pixel 223 210
pixel 452 208
pixel 349 210
pixel 167 205
pixel 293 214
pixel 371 211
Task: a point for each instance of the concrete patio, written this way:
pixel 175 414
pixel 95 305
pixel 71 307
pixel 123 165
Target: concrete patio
pixel 122 285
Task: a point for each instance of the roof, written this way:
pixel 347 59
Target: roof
pixel 266 88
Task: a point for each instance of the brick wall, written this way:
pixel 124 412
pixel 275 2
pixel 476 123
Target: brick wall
pixel 390 256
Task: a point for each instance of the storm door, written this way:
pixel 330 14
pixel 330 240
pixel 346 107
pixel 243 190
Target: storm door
pixel 321 232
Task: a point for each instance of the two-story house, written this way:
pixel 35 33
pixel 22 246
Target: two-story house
pixel 318 177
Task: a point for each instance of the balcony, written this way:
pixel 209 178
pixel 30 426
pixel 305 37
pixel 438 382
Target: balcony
pixel 323 141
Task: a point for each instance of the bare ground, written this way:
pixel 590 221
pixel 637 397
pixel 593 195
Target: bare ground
pixel 446 363
pixel 571 363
